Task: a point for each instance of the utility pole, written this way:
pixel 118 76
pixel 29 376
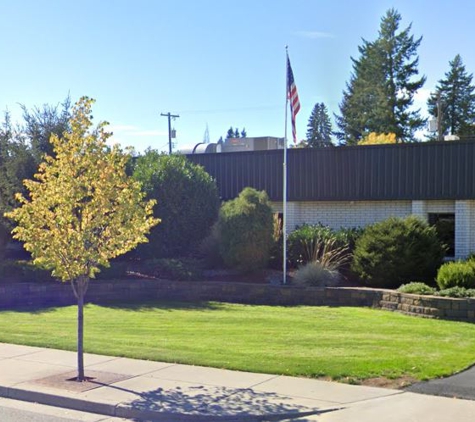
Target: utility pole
pixel 170 116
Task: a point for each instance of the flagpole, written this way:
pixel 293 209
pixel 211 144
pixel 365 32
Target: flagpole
pixel 284 183
pixel 293 97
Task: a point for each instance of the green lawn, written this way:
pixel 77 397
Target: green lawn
pixel 305 341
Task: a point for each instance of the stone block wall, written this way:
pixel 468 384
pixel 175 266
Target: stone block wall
pixel 33 295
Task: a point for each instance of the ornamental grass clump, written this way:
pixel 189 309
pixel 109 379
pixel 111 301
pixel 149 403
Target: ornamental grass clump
pixel 325 260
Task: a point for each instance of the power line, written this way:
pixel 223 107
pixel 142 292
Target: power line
pixel 227 110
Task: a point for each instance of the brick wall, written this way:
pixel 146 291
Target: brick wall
pixel 32 295
pixel 343 214
pixel 464 228
pixel 337 214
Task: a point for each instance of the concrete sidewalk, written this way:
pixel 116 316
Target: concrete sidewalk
pixel 144 390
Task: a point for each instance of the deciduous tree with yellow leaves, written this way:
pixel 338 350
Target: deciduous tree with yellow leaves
pixel 82 210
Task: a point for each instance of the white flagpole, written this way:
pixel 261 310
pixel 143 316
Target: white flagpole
pixel 284 193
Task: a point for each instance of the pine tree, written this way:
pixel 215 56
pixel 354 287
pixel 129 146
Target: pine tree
pixel 457 99
pixel 364 91
pixel 230 133
pixel 381 90
pixel 234 133
pixel 319 127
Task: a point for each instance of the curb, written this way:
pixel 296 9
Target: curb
pixel 126 411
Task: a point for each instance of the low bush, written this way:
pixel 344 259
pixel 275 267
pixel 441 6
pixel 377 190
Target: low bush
pixel 456 274
pixel 396 251
pixel 417 287
pixel 456 292
pixel 316 274
pixel 183 269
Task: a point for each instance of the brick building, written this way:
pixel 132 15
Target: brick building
pixel 357 186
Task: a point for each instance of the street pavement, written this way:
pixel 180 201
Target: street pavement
pixel 22 411
pixel 461 386
pixel 157 391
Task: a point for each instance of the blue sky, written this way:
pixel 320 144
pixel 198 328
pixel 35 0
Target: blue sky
pixel 215 63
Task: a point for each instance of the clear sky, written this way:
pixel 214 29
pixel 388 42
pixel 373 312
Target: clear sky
pixel 216 63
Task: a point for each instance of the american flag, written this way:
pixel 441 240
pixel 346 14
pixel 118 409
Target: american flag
pixel 293 97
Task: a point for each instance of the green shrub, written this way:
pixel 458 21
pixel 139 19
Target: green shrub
pixel 184 269
pixel 22 271
pixel 209 250
pixel 187 203
pixel 417 287
pixel 118 269
pixel 456 274
pixel 245 230
pixel 395 251
pixel 316 274
pixel 457 292
pixel 5 236
pixel 470 257
pixel 348 237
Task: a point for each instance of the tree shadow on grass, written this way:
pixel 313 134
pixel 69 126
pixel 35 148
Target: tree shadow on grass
pixel 165 306
pixel 130 306
pixel 33 309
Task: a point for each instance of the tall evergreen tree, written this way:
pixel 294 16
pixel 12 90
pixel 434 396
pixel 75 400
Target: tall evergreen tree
pixel 319 128
pixel 380 93
pixel 457 100
pixel 230 133
pixel 234 133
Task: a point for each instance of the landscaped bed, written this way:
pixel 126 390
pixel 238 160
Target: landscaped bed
pixel 348 344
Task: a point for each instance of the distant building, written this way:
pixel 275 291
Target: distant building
pixel 259 143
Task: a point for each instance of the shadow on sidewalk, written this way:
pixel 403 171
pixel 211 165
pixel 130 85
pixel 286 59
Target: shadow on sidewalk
pixel 217 404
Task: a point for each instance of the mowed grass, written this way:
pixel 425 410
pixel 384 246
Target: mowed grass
pixel 302 341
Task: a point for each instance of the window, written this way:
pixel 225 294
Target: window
pixel 445 225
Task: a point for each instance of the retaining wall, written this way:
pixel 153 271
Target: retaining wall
pixel 30 295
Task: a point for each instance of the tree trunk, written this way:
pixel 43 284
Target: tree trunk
pixel 80 293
